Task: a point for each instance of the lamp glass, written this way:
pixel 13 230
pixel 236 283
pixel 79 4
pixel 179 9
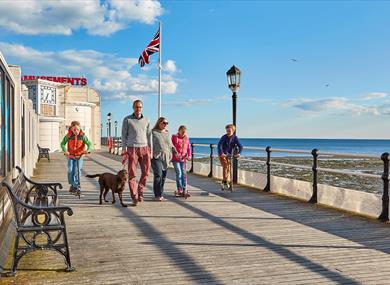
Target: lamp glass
pixel 234 77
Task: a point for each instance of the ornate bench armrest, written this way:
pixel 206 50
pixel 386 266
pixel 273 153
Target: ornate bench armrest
pixel 51 185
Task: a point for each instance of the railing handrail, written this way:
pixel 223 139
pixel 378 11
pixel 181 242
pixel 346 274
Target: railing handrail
pixel 300 151
pixel 347 155
pixel 203 144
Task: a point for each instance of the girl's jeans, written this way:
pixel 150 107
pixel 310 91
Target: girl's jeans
pixel 73 176
pixel 159 177
pixel 181 174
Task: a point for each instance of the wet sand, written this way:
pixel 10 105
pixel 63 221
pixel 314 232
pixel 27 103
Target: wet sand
pixel 357 165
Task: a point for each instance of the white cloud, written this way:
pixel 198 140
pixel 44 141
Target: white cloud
pixel 374 95
pixel 109 74
pixel 63 17
pixel 189 102
pixel 170 66
pixel 336 103
pixel 254 100
pixel 339 105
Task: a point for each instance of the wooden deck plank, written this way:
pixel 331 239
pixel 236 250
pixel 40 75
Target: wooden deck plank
pixel 246 237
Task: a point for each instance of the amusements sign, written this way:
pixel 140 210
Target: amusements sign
pixel 71 80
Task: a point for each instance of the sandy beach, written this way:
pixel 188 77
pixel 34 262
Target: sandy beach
pixel 358 165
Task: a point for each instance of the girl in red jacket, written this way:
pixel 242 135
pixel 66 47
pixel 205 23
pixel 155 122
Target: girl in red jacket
pixel 182 144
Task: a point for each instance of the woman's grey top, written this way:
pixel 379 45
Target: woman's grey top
pixel 162 147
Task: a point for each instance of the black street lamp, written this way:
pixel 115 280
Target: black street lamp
pixel 109 132
pixel 234 78
pixel 116 128
pixel 109 124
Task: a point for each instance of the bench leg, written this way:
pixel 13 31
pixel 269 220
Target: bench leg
pixel 16 258
pixel 69 267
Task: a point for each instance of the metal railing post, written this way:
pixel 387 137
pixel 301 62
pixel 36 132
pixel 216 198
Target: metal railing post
pixel 235 165
pixel 192 159
pixel 313 198
pixel 268 186
pixel 211 160
pixel 384 216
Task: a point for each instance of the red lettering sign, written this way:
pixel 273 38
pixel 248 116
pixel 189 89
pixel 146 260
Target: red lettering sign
pixel 71 80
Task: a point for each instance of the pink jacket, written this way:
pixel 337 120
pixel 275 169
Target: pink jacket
pixel 182 145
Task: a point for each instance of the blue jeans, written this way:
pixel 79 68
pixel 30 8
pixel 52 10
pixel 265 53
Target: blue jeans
pixel 181 174
pixel 73 176
pixel 159 177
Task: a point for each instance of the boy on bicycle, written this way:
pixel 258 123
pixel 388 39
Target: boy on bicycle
pixel 76 141
pixel 226 150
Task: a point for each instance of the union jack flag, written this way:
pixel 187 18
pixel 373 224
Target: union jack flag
pixel 153 47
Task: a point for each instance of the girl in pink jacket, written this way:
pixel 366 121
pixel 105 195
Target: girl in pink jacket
pixel 182 144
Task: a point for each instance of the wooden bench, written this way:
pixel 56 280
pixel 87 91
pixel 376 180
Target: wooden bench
pixel 43 152
pixel 39 220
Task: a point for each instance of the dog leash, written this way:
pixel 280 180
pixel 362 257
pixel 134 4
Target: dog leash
pixel 125 160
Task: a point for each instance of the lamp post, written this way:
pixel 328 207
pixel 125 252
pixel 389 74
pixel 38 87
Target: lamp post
pixel 101 133
pixel 234 78
pixel 109 124
pixel 116 128
pixel 109 132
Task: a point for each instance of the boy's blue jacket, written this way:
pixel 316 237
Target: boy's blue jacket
pixel 226 145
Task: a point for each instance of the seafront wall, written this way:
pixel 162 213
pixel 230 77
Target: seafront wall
pixel 358 202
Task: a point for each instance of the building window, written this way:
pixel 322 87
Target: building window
pixel 8 125
pixel 2 132
pixel 32 95
pixel 7 148
pixel 12 125
pixel 23 128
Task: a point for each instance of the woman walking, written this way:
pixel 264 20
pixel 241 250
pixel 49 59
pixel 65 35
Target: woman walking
pixel 181 142
pixel 162 155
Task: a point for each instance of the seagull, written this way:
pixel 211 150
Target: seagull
pixel 293 59
pixel 327 85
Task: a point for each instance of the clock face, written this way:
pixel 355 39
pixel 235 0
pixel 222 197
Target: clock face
pixel 48 95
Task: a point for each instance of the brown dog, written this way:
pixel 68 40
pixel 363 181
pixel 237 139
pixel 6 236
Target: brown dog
pixel 111 181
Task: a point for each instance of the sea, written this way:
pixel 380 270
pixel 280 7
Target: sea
pixel 353 146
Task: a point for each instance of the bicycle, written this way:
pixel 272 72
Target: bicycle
pixel 230 158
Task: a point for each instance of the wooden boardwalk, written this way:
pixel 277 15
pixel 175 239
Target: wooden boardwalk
pixel 246 237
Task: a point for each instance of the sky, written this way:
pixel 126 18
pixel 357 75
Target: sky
pixel 310 69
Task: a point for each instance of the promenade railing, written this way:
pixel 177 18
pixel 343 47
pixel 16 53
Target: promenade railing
pixel 313 168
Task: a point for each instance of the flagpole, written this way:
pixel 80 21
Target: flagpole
pixel 159 71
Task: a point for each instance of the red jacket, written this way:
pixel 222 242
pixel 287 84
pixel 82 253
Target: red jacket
pixel 182 145
pixel 76 145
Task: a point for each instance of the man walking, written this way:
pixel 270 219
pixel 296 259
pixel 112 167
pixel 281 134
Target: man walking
pixel 136 142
